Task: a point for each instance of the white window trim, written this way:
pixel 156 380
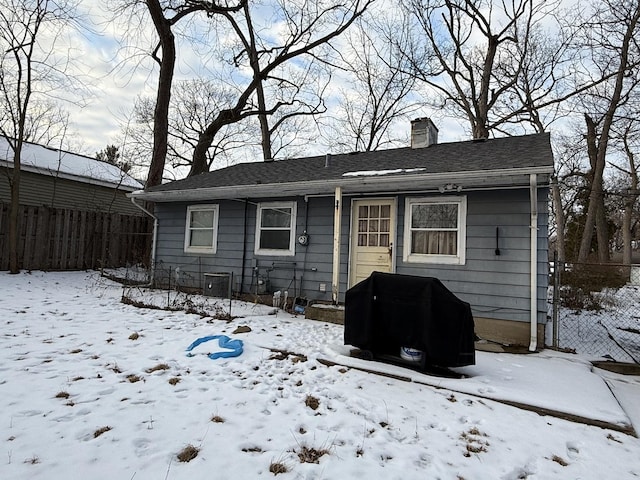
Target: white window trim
pixel 214 244
pixel 291 251
pixel 458 259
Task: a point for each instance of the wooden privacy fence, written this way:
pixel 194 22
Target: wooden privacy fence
pixel 63 239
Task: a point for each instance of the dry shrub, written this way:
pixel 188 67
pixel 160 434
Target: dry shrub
pixel 311 455
pixel 174 381
pixel 100 431
pixel 312 402
pixel 278 467
pixel 134 336
pixel 252 450
pixel 133 378
pixel 475 441
pixel 157 368
pixel 62 395
pixel 559 460
pixel 188 453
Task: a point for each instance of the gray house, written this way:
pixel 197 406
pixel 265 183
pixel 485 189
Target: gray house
pixel 473 214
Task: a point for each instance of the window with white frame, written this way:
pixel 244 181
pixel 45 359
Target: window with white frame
pixel 201 230
pixel 275 228
pixel 435 230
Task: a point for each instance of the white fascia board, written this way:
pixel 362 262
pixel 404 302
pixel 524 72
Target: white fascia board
pixel 352 184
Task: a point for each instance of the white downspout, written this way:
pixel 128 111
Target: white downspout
pixel 337 222
pixel 533 195
pixel 153 241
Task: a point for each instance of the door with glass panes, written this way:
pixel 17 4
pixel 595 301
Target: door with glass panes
pixel 373 233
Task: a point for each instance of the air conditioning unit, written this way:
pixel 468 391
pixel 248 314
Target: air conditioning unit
pixel 218 284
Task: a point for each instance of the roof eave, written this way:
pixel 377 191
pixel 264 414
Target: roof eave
pixel 503 178
pixel 70 176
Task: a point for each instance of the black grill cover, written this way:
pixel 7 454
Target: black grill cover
pixel 388 311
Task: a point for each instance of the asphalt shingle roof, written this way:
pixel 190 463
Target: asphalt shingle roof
pixel 527 151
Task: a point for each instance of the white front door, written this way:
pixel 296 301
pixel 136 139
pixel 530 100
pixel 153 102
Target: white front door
pixel 373 225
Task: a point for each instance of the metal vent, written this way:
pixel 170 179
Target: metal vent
pixel 218 284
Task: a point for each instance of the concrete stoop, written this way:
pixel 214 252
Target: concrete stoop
pixel 325 313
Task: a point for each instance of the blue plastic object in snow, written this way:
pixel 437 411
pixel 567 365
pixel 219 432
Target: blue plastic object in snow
pixel 235 346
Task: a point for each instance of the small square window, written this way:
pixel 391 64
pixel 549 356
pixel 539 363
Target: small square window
pixel 201 230
pixel 435 230
pixel 275 229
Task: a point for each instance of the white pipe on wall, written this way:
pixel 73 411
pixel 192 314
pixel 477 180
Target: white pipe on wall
pixel 337 223
pixel 533 195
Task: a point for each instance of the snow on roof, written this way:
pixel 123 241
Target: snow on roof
pixel 51 161
pixel 369 173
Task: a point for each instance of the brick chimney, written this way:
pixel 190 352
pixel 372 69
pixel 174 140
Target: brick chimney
pixel 423 133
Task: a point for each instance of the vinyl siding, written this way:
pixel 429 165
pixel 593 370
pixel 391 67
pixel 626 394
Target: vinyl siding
pixel 38 190
pixel 495 285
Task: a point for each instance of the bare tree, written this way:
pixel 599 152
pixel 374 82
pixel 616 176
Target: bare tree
pixel 379 86
pixel 165 15
pixel 307 28
pixel 195 103
pixel 610 35
pixel 491 63
pixel 29 64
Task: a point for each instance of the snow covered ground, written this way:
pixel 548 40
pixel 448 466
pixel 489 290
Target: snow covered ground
pixel 613 332
pixel 91 387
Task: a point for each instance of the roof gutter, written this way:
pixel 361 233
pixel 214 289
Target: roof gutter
pixel 153 242
pixel 533 195
pixel 349 184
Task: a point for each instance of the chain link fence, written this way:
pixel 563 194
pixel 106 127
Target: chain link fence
pixel 595 310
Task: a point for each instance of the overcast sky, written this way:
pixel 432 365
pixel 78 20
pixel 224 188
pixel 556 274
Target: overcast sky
pixel 116 72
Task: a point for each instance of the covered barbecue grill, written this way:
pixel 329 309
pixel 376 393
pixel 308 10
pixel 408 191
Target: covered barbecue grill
pixel 387 312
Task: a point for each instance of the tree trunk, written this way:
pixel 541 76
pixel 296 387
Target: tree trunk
pixel 595 197
pixel 560 221
pixel 14 207
pixel 163 98
pixel 597 170
pixel 480 124
pixel 602 230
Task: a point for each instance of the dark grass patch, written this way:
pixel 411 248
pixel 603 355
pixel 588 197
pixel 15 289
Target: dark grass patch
pixel 252 450
pixel 32 461
pixel 285 354
pixel 174 381
pixel 278 467
pixel 133 378
pixel 560 460
pixel 474 442
pixel 63 395
pixel 158 368
pixel 312 402
pixel 76 350
pixel 188 453
pixel 100 431
pixel 311 455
